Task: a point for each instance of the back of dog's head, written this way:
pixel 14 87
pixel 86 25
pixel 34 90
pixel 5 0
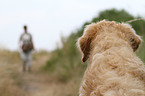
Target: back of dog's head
pixel 123 31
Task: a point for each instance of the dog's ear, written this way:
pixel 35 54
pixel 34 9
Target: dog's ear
pixel 135 41
pixel 84 44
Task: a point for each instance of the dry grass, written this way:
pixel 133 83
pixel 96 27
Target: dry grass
pixel 9 84
pixel 13 82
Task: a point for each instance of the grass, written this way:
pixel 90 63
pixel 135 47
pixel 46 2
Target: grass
pixel 141 51
pixel 10 79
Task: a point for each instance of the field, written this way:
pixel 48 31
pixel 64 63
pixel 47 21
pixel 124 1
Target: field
pixel 14 82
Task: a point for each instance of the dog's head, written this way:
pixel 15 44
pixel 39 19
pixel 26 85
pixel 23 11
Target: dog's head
pixel 91 31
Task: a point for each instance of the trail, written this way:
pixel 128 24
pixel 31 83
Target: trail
pixel 37 83
pixel 15 82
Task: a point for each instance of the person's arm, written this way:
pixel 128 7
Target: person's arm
pixel 20 43
pixel 31 41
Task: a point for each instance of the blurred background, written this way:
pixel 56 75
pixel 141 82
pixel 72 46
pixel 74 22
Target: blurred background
pixel 55 25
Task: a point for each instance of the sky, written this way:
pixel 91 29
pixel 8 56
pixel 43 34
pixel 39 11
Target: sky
pixel 48 20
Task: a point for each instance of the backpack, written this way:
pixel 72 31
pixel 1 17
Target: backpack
pixel 27 44
pixel 27 47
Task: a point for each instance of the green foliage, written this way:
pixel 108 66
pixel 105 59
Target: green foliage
pixel 114 15
pixel 66 61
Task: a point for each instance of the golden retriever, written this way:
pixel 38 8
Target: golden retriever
pixel 113 69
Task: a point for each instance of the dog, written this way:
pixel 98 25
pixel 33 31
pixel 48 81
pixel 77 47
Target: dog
pixel 113 69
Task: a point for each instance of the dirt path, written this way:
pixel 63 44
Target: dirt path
pixel 37 83
pixel 14 82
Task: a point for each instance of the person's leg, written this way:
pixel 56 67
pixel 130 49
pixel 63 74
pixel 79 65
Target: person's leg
pixel 29 61
pixel 23 58
pixel 24 66
pixel 29 68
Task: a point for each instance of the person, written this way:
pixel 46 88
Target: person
pixel 25 49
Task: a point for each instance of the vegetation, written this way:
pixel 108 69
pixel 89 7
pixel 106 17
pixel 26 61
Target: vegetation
pixel 65 62
pixel 11 80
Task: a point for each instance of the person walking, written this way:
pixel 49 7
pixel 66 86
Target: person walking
pixel 25 49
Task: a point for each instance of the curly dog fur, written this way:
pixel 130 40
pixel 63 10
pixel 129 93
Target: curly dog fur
pixel 113 69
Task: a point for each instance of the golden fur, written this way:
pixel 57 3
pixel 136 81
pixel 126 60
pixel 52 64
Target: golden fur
pixel 113 69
